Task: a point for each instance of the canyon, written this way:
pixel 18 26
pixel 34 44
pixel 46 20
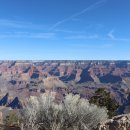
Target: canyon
pixel 21 79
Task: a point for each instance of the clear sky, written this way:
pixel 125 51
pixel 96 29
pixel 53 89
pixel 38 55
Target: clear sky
pixel 64 29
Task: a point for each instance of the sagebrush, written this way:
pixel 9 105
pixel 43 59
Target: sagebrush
pixel 71 113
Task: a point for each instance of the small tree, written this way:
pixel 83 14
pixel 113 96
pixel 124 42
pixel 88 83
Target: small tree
pixel 103 98
pixel 72 113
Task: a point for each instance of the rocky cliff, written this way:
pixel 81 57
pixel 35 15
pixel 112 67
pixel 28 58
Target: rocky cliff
pixel 121 122
pixel 25 78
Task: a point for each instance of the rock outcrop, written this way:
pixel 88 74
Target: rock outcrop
pixel 53 82
pixel 121 122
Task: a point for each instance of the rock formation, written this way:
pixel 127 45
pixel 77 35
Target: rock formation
pixel 121 122
pixel 25 78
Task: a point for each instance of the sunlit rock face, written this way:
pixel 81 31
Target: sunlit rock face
pixel 53 83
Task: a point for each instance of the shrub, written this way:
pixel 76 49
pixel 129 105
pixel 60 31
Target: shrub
pixel 72 113
pixel 12 119
pixel 103 98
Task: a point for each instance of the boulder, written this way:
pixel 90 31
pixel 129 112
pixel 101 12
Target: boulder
pixel 121 122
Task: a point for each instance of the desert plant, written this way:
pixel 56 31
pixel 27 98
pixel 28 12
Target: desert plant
pixel 103 98
pixel 12 119
pixel 73 112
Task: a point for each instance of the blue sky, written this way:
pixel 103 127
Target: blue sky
pixel 65 29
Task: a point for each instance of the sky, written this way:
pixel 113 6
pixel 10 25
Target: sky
pixel 64 29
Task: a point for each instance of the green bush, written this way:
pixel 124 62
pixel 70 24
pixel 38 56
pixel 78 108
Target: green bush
pixel 103 98
pixel 11 119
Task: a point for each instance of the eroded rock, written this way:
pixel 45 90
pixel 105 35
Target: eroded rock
pixel 121 122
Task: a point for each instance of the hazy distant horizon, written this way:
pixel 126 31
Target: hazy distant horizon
pixel 63 60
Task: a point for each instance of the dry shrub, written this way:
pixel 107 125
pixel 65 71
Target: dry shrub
pixel 72 113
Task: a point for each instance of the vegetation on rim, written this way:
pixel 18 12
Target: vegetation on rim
pixel 102 98
pixel 73 112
